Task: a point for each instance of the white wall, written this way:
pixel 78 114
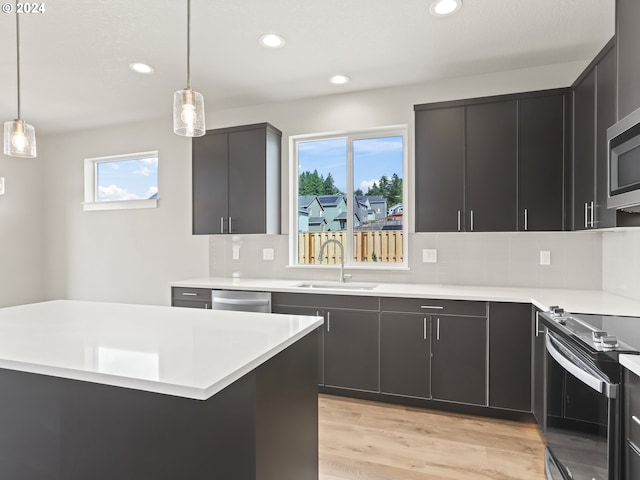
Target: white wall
pixel 119 255
pixel 21 231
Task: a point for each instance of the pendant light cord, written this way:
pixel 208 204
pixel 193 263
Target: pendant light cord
pixel 18 55
pixel 188 44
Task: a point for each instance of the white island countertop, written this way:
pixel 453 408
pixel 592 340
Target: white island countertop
pixel 575 301
pixel 184 352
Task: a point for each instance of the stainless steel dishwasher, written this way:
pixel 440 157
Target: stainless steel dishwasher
pixel 241 301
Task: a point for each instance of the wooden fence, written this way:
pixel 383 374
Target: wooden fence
pixel 368 246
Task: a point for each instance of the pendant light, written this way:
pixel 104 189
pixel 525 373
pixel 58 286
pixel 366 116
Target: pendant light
pixel 19 136
pixel 188 106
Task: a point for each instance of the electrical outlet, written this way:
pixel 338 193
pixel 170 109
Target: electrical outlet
pixel 545 257
pixel 1 185
pixel 235 252
pixel 267 253
pixel 429 255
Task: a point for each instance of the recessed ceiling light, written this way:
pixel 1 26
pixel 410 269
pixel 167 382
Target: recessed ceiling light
pixel 441 8
pixel 339 79
pixel 271 40
pixel 139 67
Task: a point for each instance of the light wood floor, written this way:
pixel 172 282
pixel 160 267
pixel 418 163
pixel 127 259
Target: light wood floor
pixel 367 440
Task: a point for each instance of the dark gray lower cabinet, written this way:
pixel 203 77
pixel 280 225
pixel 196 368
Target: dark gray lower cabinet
pixel 317 312
pixel 510 330
pixel 351 349
pixel 459 359
pixel 350 338
pixel 539 366
pixel 405 351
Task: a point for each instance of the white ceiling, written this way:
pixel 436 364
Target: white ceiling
pixel 75 56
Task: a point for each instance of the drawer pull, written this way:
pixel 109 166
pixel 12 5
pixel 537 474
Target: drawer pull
pixel 189 294
pixel 432 307
pixel 635 419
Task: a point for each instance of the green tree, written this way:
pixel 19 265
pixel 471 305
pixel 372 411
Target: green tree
pixel 312 183
pixel 389 188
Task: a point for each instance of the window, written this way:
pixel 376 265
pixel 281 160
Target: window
pixel 123 181
pixel 349 187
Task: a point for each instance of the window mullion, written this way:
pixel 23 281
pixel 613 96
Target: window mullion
pixel 350 247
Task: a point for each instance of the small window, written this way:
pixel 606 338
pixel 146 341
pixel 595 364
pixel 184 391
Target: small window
pixel 121 182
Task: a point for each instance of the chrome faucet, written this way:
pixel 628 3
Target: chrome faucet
pixel 321 256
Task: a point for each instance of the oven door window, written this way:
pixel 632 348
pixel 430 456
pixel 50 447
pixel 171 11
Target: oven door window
pixel 578 419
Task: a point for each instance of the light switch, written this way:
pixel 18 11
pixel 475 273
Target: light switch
pixel 235 252
pixel 429 255
pixel 545 257
pixel 1 185
pixel 267 253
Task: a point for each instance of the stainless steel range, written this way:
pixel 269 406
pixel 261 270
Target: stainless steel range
pixel 583 393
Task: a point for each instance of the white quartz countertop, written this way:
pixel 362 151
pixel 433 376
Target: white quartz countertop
pixel 185 352
pixel 575 301
pixel 631 362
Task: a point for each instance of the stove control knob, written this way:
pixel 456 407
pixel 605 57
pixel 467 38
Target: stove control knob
pixel 557 311
pixel 609 341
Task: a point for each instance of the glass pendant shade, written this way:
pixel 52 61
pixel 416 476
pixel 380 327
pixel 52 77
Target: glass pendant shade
pixel 188 113
pixel 19 139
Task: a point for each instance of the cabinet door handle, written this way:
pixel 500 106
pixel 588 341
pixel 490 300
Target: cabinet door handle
pixel 635 419
pixel 438 328
pixel 328 322
pixel 472 220
pixel 526 219
pixel 432 307
pixel 206 306
pixel 538 331
pixel 221 224
pixel 229 224
pixel 189 294
pixel 459 220
pixel 424 328
pixel 593 215
pixel 586 215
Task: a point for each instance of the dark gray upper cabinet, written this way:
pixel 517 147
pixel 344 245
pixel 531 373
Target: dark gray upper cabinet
pixel 491 161
pixel 480 163
pixel 628 38
pixel 236 180
pixel 439 164
pixel 541 147
pixel 510 337
pixel 405 351
pixel 605 117
pixel 594 105
pixel 459 359
pixel 584 151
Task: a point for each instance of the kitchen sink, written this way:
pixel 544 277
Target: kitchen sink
pixel 337 285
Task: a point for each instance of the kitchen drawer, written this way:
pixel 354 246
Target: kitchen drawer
pixel 319 300
pixel 436 307
pixel 632 413
pixel 183 293
pixel 632 462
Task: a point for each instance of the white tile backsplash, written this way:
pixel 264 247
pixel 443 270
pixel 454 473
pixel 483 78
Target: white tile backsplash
pixel 621 263
pixel 492 259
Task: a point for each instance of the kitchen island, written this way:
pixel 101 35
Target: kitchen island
pixel 104 391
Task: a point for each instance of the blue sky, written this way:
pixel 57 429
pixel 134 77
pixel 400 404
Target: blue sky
pixel 127 179
pixel 372 158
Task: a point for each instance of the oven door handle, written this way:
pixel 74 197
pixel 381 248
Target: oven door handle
pixel 580 373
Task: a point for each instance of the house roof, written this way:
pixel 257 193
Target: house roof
pixel 330 200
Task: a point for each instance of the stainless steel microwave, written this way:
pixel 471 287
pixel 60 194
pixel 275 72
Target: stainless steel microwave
pixel 623 140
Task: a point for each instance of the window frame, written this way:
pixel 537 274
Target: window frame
pixel 350 135
pixel 91 202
